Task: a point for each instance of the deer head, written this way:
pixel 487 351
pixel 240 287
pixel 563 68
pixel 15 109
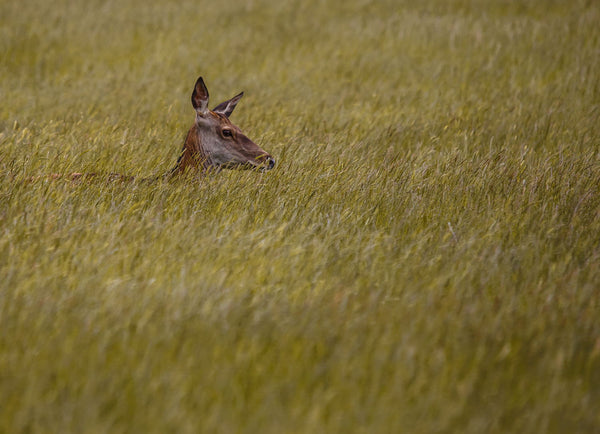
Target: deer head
pixel 214 143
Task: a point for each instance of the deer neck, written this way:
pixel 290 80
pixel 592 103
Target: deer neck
pixel 192 157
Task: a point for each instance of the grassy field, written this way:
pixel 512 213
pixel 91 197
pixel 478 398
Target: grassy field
pixel 425 256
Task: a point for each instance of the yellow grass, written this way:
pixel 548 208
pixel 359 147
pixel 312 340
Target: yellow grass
pixel 425 256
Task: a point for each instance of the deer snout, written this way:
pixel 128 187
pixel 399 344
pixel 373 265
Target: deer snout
pixel 265 162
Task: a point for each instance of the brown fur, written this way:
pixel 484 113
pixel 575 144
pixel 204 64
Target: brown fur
pixel 192 157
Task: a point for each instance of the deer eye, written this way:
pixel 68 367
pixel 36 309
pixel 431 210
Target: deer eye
pixel 227 133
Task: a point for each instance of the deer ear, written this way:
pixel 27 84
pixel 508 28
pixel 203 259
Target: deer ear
pixel 226 107
pixel 200 96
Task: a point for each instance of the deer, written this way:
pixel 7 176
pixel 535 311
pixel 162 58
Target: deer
pixel 212 143
pixel 215 143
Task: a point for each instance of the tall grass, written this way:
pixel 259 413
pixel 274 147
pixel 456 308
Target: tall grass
pixel 425 257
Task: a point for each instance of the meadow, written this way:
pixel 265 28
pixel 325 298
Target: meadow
pixel 424 257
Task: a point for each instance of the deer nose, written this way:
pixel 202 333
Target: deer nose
pixel 270 163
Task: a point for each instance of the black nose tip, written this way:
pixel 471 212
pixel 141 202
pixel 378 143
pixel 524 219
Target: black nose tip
pixel 270 163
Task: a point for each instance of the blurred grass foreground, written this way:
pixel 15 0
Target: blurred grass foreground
pixel 425 257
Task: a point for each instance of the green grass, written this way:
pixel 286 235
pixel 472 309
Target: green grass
pixel 425 257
